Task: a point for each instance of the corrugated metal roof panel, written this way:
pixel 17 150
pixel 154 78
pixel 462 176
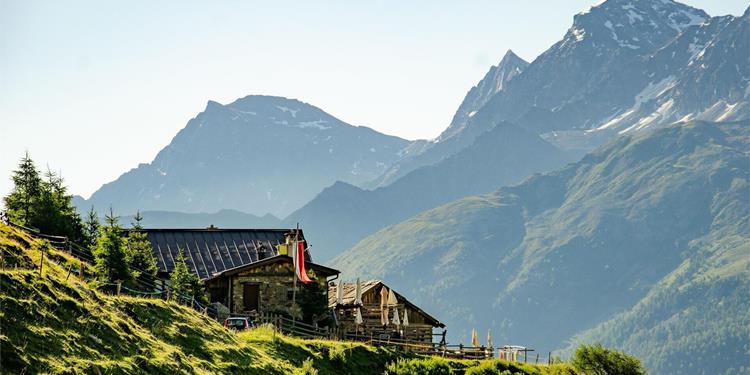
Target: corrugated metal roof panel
pixel 210 251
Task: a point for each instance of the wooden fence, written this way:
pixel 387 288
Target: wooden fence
pixel 300 329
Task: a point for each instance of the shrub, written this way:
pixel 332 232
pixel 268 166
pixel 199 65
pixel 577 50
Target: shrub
pixel 307 367
pixel 597 360
pixel 431 366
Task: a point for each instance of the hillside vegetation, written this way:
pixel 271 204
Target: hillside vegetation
pixel 57 323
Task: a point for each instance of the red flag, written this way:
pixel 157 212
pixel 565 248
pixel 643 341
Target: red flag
pixel 300 264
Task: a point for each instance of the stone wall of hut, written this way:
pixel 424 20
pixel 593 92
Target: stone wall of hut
pixel 275 287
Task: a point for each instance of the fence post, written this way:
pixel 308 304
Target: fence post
pixel 70 268
pixel 537 359
pixel 41 263
pixel 119 285
pixel 80 269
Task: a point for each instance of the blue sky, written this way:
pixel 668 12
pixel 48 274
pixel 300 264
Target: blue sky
pixel 93 88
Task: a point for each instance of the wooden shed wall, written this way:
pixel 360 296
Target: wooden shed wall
pixel 418 329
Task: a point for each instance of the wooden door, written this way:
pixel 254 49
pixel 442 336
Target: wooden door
pixel 250 297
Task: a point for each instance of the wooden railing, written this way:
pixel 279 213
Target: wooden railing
pixel 300 329
pixel 289 326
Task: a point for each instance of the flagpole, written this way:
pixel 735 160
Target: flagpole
pixel 294 264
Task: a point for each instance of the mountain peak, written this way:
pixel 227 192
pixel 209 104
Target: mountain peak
pixel 493 82
pixel 634 24
pixel 510 55
pixel 212 104
pixel 263 100
pixel 512 61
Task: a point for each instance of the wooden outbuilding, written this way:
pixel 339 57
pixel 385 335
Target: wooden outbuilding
pixel 373 310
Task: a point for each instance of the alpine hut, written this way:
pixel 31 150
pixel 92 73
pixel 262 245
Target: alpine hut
pixel 249 271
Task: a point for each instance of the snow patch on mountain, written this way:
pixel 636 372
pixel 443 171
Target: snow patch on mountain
pixel 318 124
pixel 578 33
pixel 293 112
pixel 622 43
pixel 665 111
pixel 649 93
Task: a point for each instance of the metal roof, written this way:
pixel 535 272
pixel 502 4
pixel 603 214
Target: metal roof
pixel 323 270
pixel 210 251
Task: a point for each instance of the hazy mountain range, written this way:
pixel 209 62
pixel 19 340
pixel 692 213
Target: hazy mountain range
pixel 259 154
pixel 343 214
pixel 597 193
pixel 586 89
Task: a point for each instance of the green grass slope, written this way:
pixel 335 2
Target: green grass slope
pixel 59 324
pixel 652 225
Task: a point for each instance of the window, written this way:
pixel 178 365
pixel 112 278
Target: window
pixel 289 294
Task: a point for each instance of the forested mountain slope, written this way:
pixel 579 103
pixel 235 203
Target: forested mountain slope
pixel 565 251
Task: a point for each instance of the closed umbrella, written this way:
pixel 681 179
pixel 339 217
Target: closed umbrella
pixel 405 323
pixel 358 294
pixel 357 322
pixel 340 293
pixel 384 305
pixel 489 338
pixel 384 315
pixel 396 321
pixel 357 317
pixel 392 301
pixel 474 339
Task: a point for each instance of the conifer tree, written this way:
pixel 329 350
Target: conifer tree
pixel 91 228
pixel 43 204
pixel 27 185
pixel 110 252
pixel 313 301
pixel 184 283
pixel 137 222
pixel 55 213
pixel 141 258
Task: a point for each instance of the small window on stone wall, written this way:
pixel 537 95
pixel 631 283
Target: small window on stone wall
pixel 289 295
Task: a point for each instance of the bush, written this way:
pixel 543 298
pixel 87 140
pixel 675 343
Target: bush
pixel 432 366
pixel 488 368
pixel 307 368
pixel 597 360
